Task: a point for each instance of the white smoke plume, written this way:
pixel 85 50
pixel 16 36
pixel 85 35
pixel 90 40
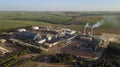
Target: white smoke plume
pixel 87 25
pixel 106 20
pixel 111 20
pixel 98 24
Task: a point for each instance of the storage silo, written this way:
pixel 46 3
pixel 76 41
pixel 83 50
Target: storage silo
pixel 35 28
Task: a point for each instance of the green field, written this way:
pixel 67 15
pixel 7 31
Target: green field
pixel 73 20
pixel 50 17
pixel 7 24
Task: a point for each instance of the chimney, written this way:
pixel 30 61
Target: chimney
pixel 85 31
pixel 92 32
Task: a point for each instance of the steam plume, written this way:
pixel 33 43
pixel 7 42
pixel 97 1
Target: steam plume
pixel 98 24
pixel 87 25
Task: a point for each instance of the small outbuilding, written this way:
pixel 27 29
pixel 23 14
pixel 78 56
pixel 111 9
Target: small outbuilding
pixel 2 40
pixel 21 30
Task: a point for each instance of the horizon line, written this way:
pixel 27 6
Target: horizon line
pixel 55 11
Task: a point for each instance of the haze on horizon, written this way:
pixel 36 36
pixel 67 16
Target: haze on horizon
pixel 59 5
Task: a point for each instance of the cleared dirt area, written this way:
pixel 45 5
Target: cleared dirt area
pixel 82 53
pixel 54 50
pixel 68 48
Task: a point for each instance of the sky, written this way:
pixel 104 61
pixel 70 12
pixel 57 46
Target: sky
pixel 59 5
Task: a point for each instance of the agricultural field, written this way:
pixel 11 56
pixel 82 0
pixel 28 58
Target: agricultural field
pixel 50 17
pixel 74 20
pixel 8 24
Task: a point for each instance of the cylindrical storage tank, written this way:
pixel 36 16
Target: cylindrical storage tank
pixel 21 30
pixel 35 28
pixel 49 38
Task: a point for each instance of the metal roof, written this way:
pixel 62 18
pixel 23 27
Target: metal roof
pixel 27 35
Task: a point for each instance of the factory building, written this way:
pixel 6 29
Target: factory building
pixel 32 37
pixel 70 32
pixel 89 43
pixel 65 31
pixel 89 40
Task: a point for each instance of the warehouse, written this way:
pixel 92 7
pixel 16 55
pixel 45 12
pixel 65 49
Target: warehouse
pixel 29 36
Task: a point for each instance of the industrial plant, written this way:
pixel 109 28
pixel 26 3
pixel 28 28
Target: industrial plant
pixel 86 44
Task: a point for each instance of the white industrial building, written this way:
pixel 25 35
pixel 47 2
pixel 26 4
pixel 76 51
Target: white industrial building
pixel 50 44
pixel 21 30
pixel 35 28
pixel 41 41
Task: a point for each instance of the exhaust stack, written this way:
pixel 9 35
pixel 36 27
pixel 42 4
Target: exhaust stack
pixel 92 32
pixel 85 28
pixel 85 31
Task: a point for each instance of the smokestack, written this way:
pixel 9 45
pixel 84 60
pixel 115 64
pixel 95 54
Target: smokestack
pixel 85 28
pixel 92 32
pixel 85 31
pixel 98 24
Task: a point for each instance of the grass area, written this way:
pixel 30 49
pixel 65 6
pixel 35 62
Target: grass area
pixel 72 20
pixel 50 17
pixel 7 24
pixel 76 18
